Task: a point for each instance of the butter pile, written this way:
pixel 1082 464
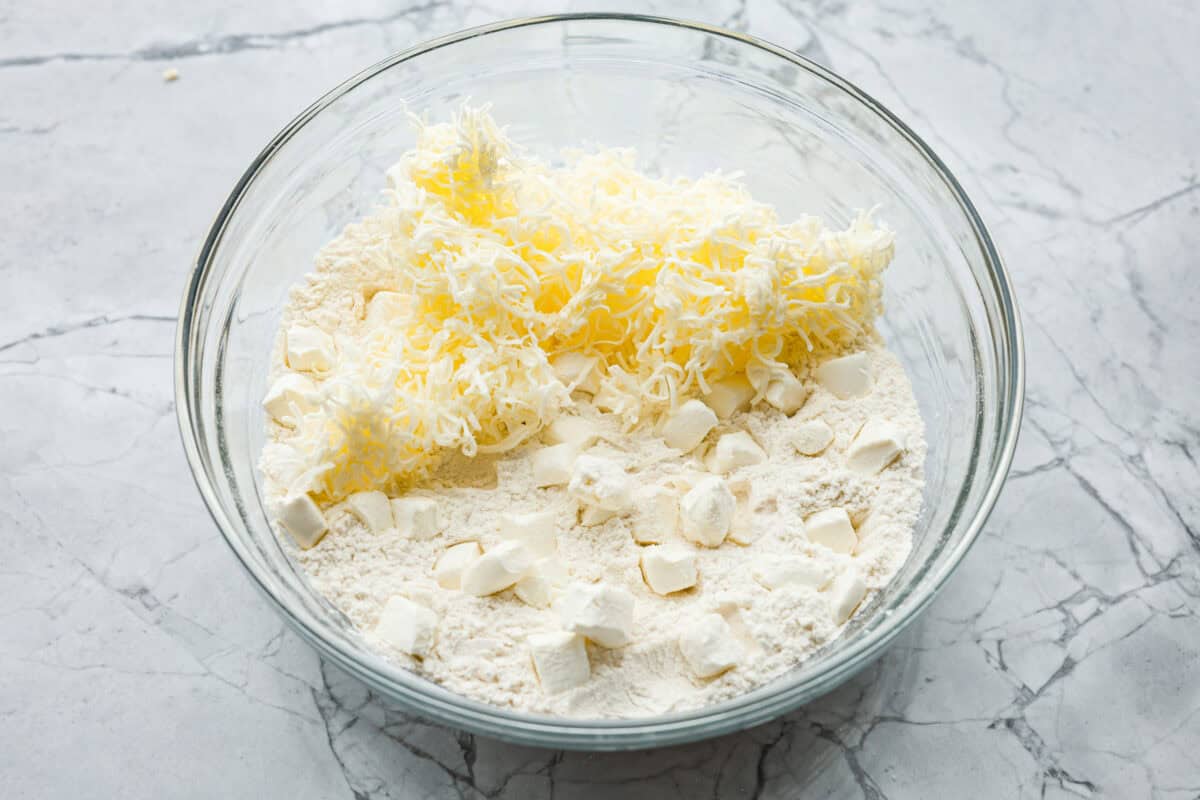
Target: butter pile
pixel 493 285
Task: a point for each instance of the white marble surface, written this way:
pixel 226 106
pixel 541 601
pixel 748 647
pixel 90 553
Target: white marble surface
pixel 1061 661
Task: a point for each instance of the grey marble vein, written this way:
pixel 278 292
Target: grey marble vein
pixel 1061 661
pixel 228 43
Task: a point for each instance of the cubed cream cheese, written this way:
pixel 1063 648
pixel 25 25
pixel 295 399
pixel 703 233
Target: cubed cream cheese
pixel 290 397
pixel 876 445
pixel 303 520
pixel 687 426
pixel 602 613
pixel 845 594
pixel 372 509
pixel 554 570
pixel 577 432
pixel 657 514
pixel 497 569
pixel 812 437
pixel 309 349
pixel 552 465
pixel 734 450
pixel 601 483
pixel 590 516
pixel 833 529
pixel 669 568
pixel 707 511
pixel 786 393
pixel 423 593
pixel 709 646
pixel 776 571
pixel 408 627
pixel 416 517
pixel 848 376
pixel 875 531
pixel 543 582
pixel 533 590
pixel 537 530
pixel 453 562
pixel 559 660
pixel 759 376
pixel 729 396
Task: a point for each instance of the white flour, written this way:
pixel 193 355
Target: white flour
pixel 430 325
pixel 481 648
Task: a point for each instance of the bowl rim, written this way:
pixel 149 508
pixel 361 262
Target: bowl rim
pixel 426 698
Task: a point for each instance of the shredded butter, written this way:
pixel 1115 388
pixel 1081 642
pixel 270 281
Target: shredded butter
pixel 505 262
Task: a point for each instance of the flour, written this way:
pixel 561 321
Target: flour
pixel 481 649
pixel 440 333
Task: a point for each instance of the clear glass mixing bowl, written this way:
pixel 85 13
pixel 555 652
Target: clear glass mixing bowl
pixel 691 99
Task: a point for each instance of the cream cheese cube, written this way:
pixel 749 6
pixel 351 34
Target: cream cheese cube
pixel 553 570
pixel 497 569
pixel 291 396
pixel 709 646
pixel 309 349
pixel 875 532
pixel 848 376
pixel 743 529
pixel 707 511
pixel 386 307
pixel 602 613
pixel 552 465
pixel 759 376
pixel 453 562
pixel 559 660
pixel 833 529
pixel 729 396
pixel 812 437
pixel 845 594
pixel 688 425
pixel 786 393
pixel 372 509
pixel 408 627
pixel 543 583
pixel 734 450
pixel 877 445
pixel 778 572
pixel 422 593
pixel 537 531
pixel 669 568
pixel 657 516
pixel 533 590
pixel 590 516
pixel 602 483
pixel 303 520
pixel 571 430
pixel 416 517
pixel 578 371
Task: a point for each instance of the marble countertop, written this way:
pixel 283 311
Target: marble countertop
pixel 136 660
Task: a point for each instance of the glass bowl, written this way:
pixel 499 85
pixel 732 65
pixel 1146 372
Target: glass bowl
pixel 690 98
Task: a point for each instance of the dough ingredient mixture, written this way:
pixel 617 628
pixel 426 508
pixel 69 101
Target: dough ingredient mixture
pixel 581 441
